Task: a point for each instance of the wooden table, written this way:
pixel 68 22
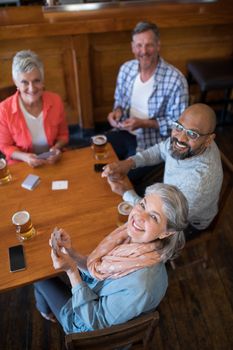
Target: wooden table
pixel 87 210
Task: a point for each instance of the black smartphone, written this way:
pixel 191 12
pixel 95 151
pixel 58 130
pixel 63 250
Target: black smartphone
pixel 99 167
pixel 16 257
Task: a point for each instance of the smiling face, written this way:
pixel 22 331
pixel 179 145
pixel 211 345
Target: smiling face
pixel 146 47
pixel 147 221
pixel 199 118
pixel 30 86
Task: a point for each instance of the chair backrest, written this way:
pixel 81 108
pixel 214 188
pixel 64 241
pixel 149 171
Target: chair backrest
pixel 226 186
pixel 225 191
pixel 7 91
pixel 208 236
pixel 140 329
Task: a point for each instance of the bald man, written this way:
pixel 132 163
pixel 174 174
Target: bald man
pixel 192 163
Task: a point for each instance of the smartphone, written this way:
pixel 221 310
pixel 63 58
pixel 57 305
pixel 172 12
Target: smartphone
pixel 45 155
pixel 17 259
pixel 30 182
pixel 98 167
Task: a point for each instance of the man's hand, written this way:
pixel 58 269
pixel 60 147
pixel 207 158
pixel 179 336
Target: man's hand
pixel 117 170
pixel 120 186
pixel 131 124
pixel 135 123
pixel 114 117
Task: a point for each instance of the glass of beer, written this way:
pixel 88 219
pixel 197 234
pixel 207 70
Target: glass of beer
pixel 5 175
pixel 23 225
pixel 124 209
pixel 99 144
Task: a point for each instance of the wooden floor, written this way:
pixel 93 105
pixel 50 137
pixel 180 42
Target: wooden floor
pixel 196 313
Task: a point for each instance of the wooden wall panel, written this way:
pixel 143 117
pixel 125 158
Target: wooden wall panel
pixel 179 46
pixel 107 53
pixel 83 50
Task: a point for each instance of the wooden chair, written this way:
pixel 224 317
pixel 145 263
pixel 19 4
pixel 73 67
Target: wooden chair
pixel 208 237
pixel 138 332
pixel 7 91
pixel 213 74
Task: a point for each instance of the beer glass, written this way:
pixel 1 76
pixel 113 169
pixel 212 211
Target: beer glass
pixel 5 175
pixel 99 145
pixel 23 225
pixel 124 209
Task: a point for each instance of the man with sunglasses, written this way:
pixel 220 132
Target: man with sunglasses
pixel 192 163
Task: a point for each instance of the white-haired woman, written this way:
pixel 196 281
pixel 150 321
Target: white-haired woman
pixel 125 275
pixel 32 121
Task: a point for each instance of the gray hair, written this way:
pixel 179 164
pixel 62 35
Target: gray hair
pixel 25 61
pixel 144 27
pixel 175 208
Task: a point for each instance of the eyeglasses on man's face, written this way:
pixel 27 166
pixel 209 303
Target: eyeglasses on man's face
pixel 191 134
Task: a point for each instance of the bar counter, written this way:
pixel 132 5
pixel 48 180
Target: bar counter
pixel 83 48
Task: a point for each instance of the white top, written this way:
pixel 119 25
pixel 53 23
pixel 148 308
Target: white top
pixel 140 96
pixel 36 129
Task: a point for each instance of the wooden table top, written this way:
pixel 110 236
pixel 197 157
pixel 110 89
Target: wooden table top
pixel 87 211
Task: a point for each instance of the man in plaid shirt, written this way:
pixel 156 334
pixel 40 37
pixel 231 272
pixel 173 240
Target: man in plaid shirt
pixel 150 94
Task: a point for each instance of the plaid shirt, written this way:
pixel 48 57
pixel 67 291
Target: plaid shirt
pixel 167 101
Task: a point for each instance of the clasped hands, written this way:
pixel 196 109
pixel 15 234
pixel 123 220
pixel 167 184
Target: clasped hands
pixel 129 124
pixel 60 243
pixel 34 161
pixel 116 175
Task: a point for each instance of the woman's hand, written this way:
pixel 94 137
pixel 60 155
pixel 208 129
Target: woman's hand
pixel 32 160
pixel 63 261
pixel 60 239
pixel 55 157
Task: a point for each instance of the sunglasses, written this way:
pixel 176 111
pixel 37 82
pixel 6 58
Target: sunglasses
pixel 193 135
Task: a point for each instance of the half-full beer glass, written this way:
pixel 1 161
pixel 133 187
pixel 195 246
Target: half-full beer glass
pixel 5 175
pixel 23 225
pixel 124 209
pixel 99 144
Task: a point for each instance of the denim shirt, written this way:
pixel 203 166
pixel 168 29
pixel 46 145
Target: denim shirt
pixel 98 304
pixel 166 103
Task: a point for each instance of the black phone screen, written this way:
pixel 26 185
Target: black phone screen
pixel 99 167
pixel 16 256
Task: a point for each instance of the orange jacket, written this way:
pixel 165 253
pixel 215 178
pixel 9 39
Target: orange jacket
pixel 14 133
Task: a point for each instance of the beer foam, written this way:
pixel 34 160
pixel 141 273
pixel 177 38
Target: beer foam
pixel 124 208
pixel 100 139
pixel 20 218
pixel 2 163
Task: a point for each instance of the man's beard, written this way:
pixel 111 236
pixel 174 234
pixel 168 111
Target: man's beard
pixel 183 155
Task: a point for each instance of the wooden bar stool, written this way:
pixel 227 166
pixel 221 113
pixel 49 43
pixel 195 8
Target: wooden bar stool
pixel 213 74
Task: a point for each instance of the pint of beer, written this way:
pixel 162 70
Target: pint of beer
pixel 5 175
pixel 99 144
pixel 23 225
pixel 124 209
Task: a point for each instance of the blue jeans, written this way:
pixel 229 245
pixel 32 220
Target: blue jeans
pixel 123 143
pixel 51 295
